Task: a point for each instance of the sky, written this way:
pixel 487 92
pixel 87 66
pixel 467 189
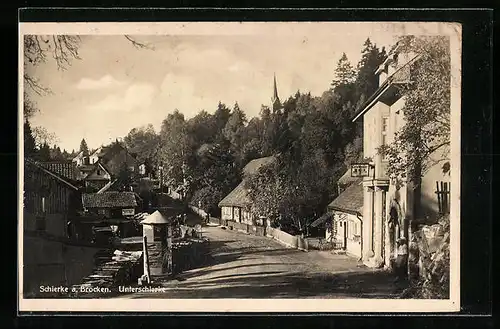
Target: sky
pixel 115 87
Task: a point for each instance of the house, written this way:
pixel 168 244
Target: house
pixel 98 177
pixel 96 155
pixel 234 207
pixel 84 170
pixel 388 205
pixel 343 221
pixel 116 157
pixel 347 220
pixel 80 159
pixel 112 204
pixel 50 200
pixel 142 169
pixel 66 169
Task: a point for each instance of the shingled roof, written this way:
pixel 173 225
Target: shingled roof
pixel 350 201
pixel 236 198
pixel 31 164
pixel 239 196
pixel 66 169
pixel 347 179
pixel 253 166
pixel 110 200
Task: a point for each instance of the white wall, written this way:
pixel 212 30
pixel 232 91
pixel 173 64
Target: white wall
pixel 227 213
pixel 353 225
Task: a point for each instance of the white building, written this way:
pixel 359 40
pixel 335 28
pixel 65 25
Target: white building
pixel 384 202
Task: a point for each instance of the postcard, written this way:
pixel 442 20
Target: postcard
pixel 239 167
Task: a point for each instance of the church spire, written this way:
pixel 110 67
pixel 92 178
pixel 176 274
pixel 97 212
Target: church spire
pixel 276 103
pixel 275 95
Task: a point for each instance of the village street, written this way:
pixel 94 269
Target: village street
pixel 248 266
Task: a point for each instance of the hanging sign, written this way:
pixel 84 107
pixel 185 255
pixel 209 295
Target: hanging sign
pixel 360 170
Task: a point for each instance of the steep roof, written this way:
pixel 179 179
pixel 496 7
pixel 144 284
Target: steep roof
pixel 236 198
pixel 156 218
pixel 109 200
pixel 253 166
pixel 107 186
pixel 239 196
pixel 66 169
pixel 79 155
pixel 347 179
pixel 350 200
pixel 35 165
pixel 399 76
pixel 97 166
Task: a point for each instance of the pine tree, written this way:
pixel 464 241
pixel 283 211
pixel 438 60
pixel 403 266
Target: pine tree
pixel 44 153
pixel 344 73
pixel 84 148
pixel 29 140
pixel 371 58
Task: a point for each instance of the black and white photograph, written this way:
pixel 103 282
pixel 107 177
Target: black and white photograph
pixel 239 166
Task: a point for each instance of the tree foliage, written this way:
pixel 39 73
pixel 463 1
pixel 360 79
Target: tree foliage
pixel 43 136
pixel 144 142
pixel 175 150
pixel 344 72
pixel 29 140
pixel 84 148
pixel 424 138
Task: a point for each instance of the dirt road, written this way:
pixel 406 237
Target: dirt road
pixel 247 266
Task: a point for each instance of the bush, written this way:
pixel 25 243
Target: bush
pixel 434 281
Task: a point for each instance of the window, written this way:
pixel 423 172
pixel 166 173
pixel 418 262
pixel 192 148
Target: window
pixel 385 121
pixel 99 172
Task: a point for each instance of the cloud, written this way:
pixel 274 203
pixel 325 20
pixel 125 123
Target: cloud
pixel 136 96
pixel 106 81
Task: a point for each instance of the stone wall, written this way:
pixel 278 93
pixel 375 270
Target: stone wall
pixel 51 263
pixel 189 253
pixel 111 270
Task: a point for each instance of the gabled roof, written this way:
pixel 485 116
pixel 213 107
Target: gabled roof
pixel 66 169
pixel 347 179
pixel 34 164
pixel 107 186
pixel 236 198
pixel 99 152
pixel 350 200
pixel 110 200
pixel 98 165
pixel 78 156
pixel 253 166
pixel 397 77
pixel 239 196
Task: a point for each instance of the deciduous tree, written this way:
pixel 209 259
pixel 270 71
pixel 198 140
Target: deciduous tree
pixel 424 138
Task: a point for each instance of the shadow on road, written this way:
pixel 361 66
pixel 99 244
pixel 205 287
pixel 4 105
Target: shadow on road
pixel 368 284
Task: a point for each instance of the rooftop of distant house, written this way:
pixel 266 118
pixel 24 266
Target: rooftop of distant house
pixel 110 200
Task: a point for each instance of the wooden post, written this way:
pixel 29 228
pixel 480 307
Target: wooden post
pixel 146 259
pixel 169 250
